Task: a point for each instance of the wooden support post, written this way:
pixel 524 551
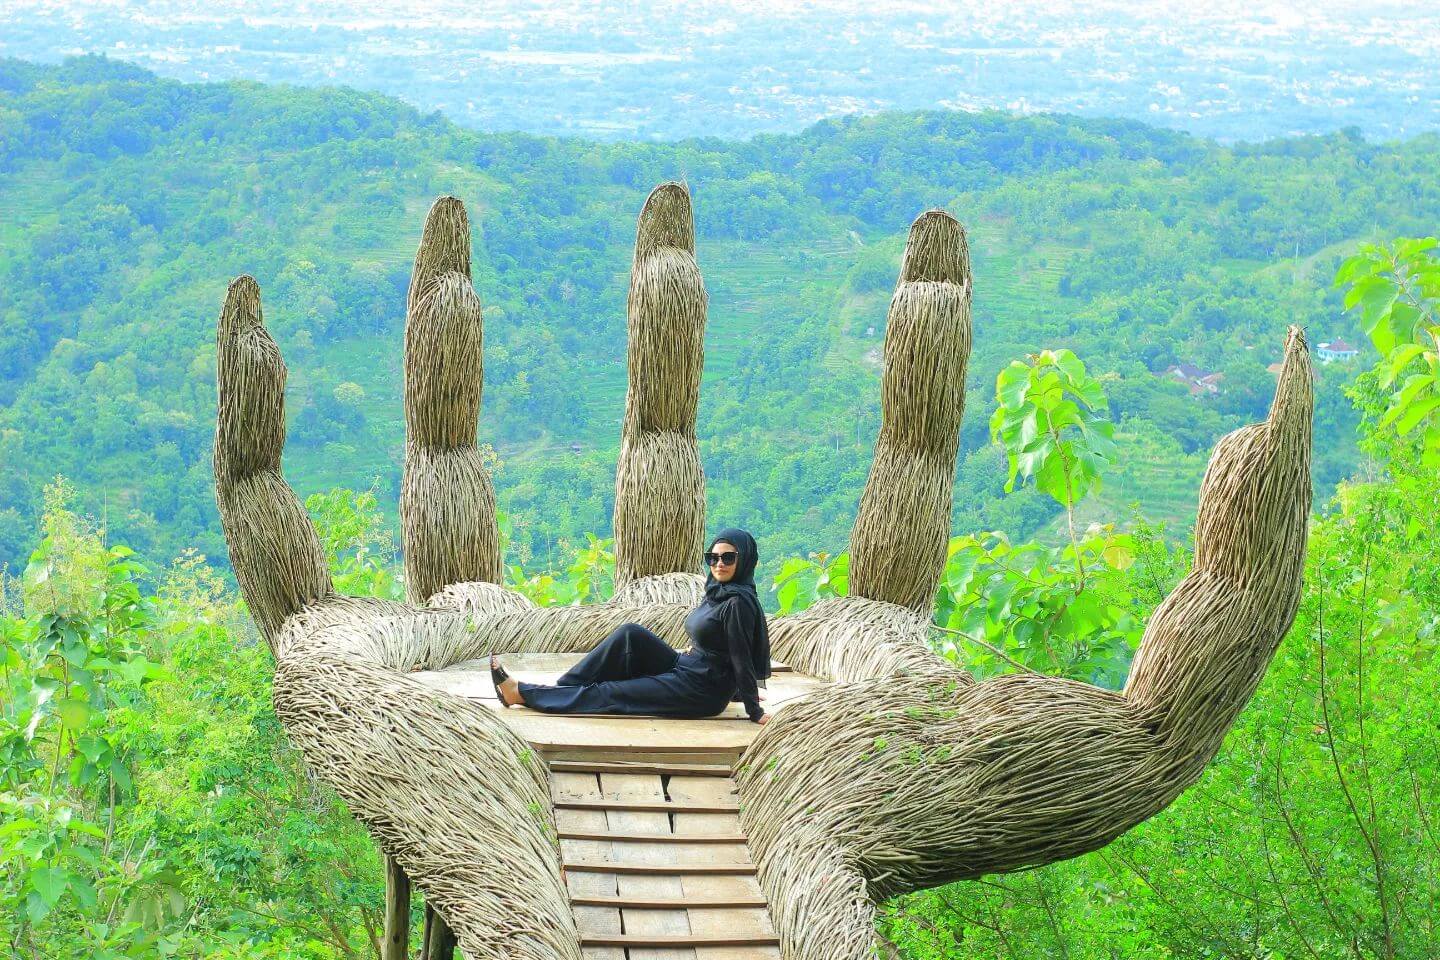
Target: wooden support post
pixel 396 945
pixel 439 938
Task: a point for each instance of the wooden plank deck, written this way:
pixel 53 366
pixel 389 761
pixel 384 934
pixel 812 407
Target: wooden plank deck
pixel 726 734
pixel 655 860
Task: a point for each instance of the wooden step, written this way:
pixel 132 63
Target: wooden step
pixel 668 903
pixel 621 837
pixel 679 940
pixel 638 754
pixel 659 869
pixel 648 806
pixel 659 769
pixel 544 731
pixel 650 835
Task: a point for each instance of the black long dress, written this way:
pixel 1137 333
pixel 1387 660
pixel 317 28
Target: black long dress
pixel 634 671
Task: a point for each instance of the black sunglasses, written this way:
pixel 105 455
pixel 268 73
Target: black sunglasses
pixel 726 557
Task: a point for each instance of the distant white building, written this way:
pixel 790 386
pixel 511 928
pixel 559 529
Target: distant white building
pixel 1336 349
pixel 1198 381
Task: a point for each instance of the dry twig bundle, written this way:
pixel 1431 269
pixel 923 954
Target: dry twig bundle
pixel 659 486
pixel 902 773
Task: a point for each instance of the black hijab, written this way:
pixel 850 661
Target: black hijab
pixel 742 586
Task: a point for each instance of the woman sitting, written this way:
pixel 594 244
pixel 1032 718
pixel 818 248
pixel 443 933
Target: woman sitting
pixel 634 671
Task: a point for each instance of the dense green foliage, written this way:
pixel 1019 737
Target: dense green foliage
pixel 131 201
pixel 1396 288
pixel 153 809
pixel 149 804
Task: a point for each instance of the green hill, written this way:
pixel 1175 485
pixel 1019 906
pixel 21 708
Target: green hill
pixel 130 202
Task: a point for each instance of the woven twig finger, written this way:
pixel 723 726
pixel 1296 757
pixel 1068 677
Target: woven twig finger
pixel 659 486
pixel 447 502
pixel 897 547
pixel 274 551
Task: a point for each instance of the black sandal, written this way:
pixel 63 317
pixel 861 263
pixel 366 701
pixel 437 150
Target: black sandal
pixel 497 677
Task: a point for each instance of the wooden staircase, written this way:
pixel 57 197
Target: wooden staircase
pixel 655 860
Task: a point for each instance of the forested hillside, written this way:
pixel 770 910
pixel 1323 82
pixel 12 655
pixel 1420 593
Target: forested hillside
pixel 151 805
pixel 129 203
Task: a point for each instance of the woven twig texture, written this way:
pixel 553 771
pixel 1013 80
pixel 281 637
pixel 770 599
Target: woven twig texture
pixel 659 486
pixel 917 776
pixel 897 548
pixel 447 504
pixel 902 773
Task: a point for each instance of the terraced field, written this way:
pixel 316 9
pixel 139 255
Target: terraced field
pixel 1162 480
pixel 27 199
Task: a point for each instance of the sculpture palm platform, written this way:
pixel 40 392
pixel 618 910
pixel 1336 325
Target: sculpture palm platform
pixel 552 734
pixel 647 814
pixel 899 772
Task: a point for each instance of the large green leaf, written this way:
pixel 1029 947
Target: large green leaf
pixel 74 714
pixel 1398 360
pixel 1011 384
pixel 1416 413
pixel 1070 365
pixel 1413 389
pixel 1363 264
pixel 1368 286
pixel 50 883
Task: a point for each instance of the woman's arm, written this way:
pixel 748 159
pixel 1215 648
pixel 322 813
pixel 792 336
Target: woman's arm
pixel 739 623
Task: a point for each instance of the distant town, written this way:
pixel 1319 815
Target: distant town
pixel 621 69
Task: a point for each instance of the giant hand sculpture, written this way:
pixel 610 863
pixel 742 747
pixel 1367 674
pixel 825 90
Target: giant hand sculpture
pixel 903 773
